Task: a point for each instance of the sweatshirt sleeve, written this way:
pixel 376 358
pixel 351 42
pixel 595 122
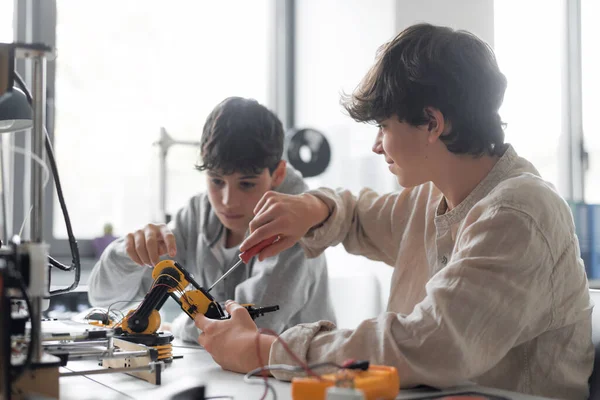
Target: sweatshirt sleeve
pixel 452 336
pixel 117 278
pixel 369 224
pixel 183 327
pixel 298 285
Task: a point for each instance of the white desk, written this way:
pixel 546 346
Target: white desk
pixel 197 366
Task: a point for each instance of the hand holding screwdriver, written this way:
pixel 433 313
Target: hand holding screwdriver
pixel 288 216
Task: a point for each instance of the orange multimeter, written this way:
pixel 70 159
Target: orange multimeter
pixel 376 382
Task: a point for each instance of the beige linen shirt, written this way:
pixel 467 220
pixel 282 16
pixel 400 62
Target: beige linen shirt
pixel 492 292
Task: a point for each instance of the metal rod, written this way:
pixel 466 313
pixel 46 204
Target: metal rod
pixel 5 237
pixel 111 344
pixel 100 354
pixel 76 344
pixel 150 368
pixel 229 271
pixel 162 179
pixel 35 315
pixel 164 143
pixel 37 198
pixel 37 144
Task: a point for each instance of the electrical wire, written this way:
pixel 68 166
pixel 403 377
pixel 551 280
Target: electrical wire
pixel 121 301
pixel 268 386
pixel 25 221
pixel 38 160
pixel 35 158
pixel 248 378
pixel 302 364
pixel 176 287
pixel 264 370
pixel 76 262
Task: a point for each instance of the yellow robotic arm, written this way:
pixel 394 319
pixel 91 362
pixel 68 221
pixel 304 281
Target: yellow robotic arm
pixel 171 280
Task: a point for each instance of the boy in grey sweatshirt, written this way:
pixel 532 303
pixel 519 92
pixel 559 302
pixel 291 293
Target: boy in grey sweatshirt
pixel 241 150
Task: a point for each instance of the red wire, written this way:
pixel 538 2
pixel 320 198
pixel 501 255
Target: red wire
pixel 264 373
pixel 161 284
pixel 287 349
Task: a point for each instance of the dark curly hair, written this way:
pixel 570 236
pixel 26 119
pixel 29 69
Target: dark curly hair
pixel 433 66
pixel 241 135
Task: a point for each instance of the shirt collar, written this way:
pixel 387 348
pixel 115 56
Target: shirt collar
pixel 504 165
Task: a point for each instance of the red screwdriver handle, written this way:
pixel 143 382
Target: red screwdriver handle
pixel 254 250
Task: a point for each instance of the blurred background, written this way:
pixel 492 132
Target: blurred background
pixel 127 69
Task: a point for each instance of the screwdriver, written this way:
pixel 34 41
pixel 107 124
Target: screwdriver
pixel 246 256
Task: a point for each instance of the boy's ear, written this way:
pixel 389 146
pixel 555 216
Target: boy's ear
pixel 437 125
pixel 279 173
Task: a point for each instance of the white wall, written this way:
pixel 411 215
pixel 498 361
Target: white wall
pixel 476 16
pixel 336 44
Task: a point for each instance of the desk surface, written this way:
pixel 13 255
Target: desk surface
pixel 196 367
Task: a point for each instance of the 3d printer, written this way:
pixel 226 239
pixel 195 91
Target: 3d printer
pixel 24 265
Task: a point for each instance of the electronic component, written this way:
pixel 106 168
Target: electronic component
pixel 375 382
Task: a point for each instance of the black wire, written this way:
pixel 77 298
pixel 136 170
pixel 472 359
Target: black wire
pixel 76 262
pixel 27 362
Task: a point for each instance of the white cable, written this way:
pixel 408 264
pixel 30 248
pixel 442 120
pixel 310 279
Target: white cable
pixel 25 220
pixel 41 162
pixel 35 158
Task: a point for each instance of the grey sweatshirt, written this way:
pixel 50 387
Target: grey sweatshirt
pixel 297 284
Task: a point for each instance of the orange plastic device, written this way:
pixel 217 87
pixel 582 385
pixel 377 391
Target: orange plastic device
pixel 377 382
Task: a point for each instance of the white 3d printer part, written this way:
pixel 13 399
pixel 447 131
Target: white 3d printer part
pixel 38 259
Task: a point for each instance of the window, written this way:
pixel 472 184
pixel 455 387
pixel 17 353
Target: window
pixel 529 52
pixel 590 65
pixel 6 21
pixel 6 36
pixel 126 69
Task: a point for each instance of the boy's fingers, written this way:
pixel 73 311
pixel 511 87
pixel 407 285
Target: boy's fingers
pixel 152 247
pixel 276 248
pixel 162 248
pixel 201 322
pixel 260 220
pixel 259 205
pixel 169 239
pixel 130 249
pixel 231 305
pixel 140 247
pixel 234 309
pixel 260 234
pixel 262 201
pixel 202 339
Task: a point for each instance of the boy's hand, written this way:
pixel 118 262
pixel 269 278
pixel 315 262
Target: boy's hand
pixel 146 245
pixel 232 342
pixel 289 216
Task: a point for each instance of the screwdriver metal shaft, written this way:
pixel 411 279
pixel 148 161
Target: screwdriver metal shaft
pixel 229 271
pixel 246 256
